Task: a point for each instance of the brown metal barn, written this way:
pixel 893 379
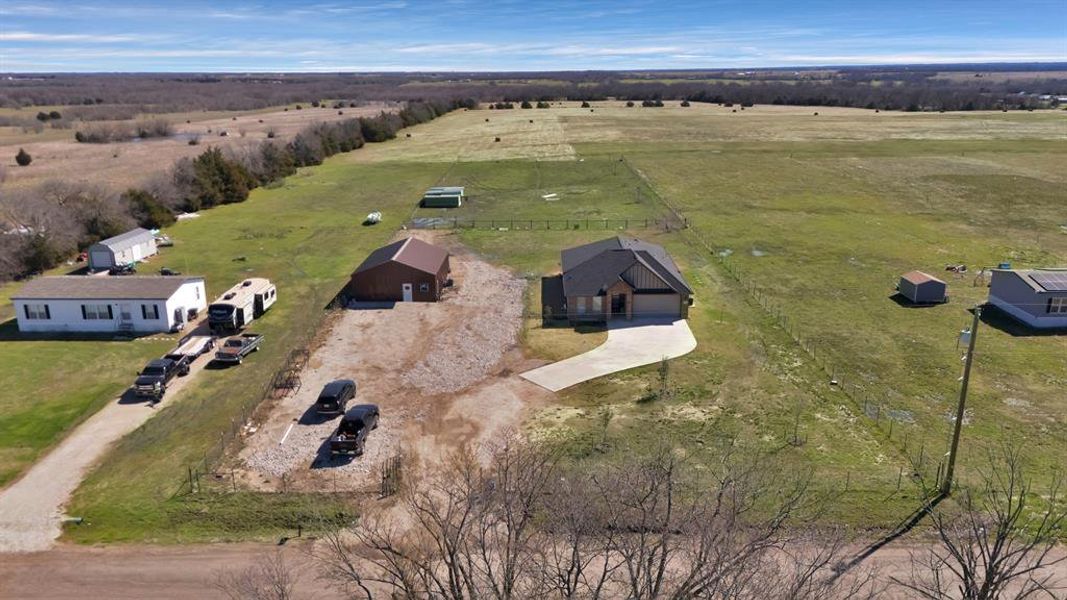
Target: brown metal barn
pixel 409 270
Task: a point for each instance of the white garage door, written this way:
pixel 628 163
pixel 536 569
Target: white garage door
pixel 657 305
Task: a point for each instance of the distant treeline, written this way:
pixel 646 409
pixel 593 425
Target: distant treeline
pixel 111 97
pixel 50 223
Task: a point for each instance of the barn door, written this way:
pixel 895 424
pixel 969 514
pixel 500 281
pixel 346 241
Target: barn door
pixel 407 288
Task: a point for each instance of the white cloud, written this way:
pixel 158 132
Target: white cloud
pixel 30 36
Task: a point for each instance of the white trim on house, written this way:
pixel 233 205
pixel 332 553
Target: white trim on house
pixel 1044 322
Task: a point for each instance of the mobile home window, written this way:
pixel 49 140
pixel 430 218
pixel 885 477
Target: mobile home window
pixel 424 287
pixel 597 306
pixel 150 312
pixel 37 311
pixel 92 312
pixel 1057 306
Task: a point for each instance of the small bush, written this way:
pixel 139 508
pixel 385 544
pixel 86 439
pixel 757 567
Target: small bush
pixel 314 104
pixel 298 107
pixel 271 134
pixel 42 116
pixel 526 104
pixel 629 104
pixel 23 158
pixel 194 141
pixel 543 105
pixel 684 104
pixel 585 104
pixel 54 115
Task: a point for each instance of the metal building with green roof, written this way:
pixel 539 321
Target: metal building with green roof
pixel 443 197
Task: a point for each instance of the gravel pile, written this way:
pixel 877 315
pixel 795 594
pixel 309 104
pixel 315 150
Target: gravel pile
pixel 492 299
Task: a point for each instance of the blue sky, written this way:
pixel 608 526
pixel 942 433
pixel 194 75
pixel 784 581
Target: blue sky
pixel 494 35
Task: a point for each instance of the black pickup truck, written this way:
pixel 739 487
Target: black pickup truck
pixel 153 379
pixel 351 434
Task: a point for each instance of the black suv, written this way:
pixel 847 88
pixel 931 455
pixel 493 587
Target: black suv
pixel 335 396
pixel 351 434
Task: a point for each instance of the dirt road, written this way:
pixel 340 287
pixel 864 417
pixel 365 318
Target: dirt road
pixel 31 508
pixel 120 572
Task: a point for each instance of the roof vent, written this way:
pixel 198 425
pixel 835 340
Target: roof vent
pixel 246 283
pixel 228 296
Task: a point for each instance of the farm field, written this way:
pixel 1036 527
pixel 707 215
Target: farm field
pixel 817 214
pixel 120 165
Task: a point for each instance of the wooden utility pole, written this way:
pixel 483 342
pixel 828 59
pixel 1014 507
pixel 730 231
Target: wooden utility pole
pixel 946 485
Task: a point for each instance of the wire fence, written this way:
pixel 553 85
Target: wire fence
pixel 894 423
pixel 205 474
pixel 669 223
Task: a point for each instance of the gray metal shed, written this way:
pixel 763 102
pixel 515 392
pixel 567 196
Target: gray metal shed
pixel 130 247
pixel 922 288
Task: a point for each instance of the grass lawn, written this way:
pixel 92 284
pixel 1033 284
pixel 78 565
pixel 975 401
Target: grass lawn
pixel 820 215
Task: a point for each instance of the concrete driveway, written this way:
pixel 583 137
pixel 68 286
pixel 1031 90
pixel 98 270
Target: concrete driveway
pixel 629 345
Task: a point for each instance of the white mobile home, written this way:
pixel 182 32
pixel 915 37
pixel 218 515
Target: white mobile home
pixel 73 304
pixel 130 247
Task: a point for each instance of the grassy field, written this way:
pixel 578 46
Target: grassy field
pixel 818 214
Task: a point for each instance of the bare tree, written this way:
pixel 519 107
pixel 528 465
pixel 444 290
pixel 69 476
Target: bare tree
pixel 997 543
pixel 272 577
pixel 515 524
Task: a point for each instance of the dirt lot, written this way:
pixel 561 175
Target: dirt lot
pixel 442 374
pixel 124 164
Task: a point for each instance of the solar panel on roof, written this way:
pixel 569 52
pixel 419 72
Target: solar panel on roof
pixel 1052 281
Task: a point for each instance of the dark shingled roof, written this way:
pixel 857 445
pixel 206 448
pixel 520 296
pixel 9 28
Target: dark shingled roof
pixel 412 252
pixel 85 287
pixel 590 269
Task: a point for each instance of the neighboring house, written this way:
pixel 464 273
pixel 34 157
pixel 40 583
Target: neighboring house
pixel 83 304
pixel 443 197
pixel 1037 297
pixel 619 278
pixel 130 247
pixel 409 270
pixel 921 288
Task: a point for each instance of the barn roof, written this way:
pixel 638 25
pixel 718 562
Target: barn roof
pixel 125 240
pixel 919 278
pixel 590 269
pixel 412 252
pixel 85 287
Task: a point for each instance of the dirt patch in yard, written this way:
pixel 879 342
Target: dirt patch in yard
pixel 442 374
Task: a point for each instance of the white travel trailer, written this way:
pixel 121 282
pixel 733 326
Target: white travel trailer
pixel 241 304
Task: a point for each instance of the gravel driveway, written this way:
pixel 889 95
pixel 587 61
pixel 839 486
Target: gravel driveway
pixel 630 344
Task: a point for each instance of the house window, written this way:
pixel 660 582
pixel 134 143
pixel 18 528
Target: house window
pixel 597 306
pixel 37 311
pixel 93 312
pixel 1057 306
pixel 150 312
pixel 424 287
pixel 581 306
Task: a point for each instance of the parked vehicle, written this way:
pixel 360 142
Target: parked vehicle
pixel 241 304
pixel 127 269
pixel 163 241
pixel 334 397
pixel 167 272
pixel 192 347
pixel 351 435
pixel 236 348
pixel 152 381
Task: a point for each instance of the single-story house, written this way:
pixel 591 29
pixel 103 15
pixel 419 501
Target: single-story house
pixel 1036 297
pixel 123 249
pixel 444 197
pixel 922 288
pixel 621 277
pixel 409 270
pixel 85 304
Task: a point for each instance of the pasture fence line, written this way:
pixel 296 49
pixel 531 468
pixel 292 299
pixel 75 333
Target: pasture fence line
pixel 867 401
pixel 202 474
pixel 517 224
